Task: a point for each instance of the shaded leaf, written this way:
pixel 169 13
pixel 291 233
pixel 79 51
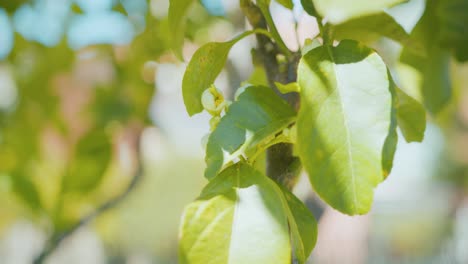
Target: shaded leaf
pixel 310 44
pixel 202 70
pixel 306 226
pixel 453 20
pixel 177 22
pixel 344 120
pixel 391 141
pixel 433 66
pixel 26 190
pixel 90 161
pixel 339 11
pixel 309 7
pixel 251 121
pixel 411 117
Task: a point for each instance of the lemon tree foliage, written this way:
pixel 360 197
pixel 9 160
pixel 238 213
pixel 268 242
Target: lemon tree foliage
pixel 343 123
pixel 242 216
pixel 250 123
pixel 333 105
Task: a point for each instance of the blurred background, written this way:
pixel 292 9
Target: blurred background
pixel 94 136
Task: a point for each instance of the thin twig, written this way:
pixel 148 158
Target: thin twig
pixel 56 240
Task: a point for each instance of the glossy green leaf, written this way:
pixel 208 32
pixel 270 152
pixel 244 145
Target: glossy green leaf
pixel 371 27
pixel 238 219
pixel 90 161
pixel 177 22
pixel 250 123
pixel 411 117
pixel 344 120
pixel 339 11
pixel 202 70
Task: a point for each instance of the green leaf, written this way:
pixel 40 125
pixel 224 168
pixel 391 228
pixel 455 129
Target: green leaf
pixel 433 65
pixel 309 7
pixel 202 70
pixel 286 3
pixel 310 44
pixel 343 122
pixel 238 219
pixel 264 6
pixel 453 20
pixel 176 15
pixel 304 222
pixel 250 123
pixel 26 190
pixel 371 27
pixel 411 117
pixel 339 11
pixel 91 158
pixel 391 141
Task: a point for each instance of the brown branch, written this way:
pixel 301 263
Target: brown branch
pixel 282 166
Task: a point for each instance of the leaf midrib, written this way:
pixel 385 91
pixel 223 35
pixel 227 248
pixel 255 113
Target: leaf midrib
pixel 345 123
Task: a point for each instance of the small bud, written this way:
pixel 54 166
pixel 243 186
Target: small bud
pixel 208 101
pixel 213 101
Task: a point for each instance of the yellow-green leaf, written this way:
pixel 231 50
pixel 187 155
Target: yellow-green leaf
pixel 339 11
pixel 177 21
pixel 202 70
pixel 343 123
pixel 411 117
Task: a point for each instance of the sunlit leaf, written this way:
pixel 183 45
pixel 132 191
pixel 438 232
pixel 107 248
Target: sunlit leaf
pixel 238 219
pixel 239 210
pixel 338 11
pixel 371 27
pixel 202 70
pixel 252 120
pixel 343 122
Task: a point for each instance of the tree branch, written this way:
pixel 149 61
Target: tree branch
pixel 56 240
pixel 282 166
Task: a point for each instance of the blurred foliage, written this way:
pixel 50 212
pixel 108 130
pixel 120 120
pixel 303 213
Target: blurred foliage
pixel 60 141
